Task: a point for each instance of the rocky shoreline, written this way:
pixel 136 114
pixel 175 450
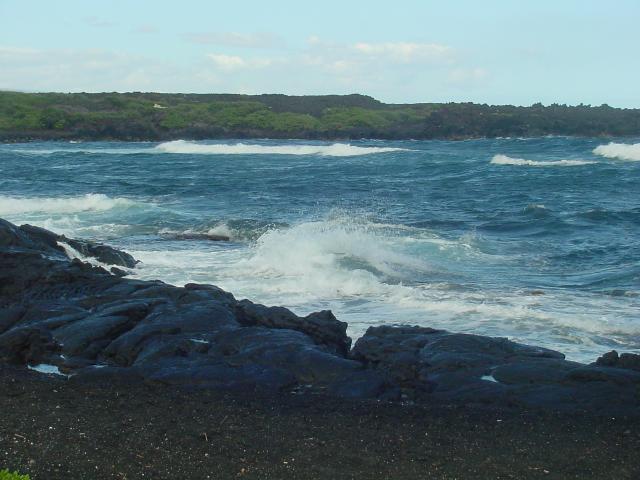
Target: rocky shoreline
pixel 90 323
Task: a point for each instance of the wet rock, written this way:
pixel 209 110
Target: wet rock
pixel 322 326
pixel 590 373
pixel 541 371
pixel 99 325
pixel 212 237
pixel 29 237
pixel 629 361
pixel 102 253
pixel 435 364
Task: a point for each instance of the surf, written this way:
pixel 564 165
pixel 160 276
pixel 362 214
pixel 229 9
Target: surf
pixel 619 151
pixel 334 150
pixel 90 202
pixel 506 160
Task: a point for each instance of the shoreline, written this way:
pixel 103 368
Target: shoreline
pixel 258 392
pixel 339 139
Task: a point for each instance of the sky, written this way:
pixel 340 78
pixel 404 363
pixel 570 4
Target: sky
pixel 401 51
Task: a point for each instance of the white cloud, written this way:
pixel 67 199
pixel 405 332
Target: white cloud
pixel 236 39
pixel 98 22
pixel 405 52
pixel 145 29
pixel 234 62
pixel 468 75
pixel 394 71
pixel 16 53
pixel 88 70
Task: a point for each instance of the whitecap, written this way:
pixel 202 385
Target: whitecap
pixel 91 202
pixel 506 160
pixel 221 231
pixel 621 151
pixel 335 150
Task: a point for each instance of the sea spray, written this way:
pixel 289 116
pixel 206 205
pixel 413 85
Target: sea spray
pixel 620 151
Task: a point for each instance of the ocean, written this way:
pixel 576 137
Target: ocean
pixel 537 240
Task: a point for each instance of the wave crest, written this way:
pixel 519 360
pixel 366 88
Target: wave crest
pixel 621 151
pixel 506 160
pixel 61 205
pixel 335 150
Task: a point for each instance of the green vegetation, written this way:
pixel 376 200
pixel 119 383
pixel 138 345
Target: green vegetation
pixel 157 116
pixel 7 475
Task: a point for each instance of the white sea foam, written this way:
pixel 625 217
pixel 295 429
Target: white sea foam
pixel 83 150
pixel 334 257
pixel 219 230
pixel 60 205
pixel 48 369
pixel 222 229
pixel 506 160
pixel 72 254
pixel 188 147
pixel 335 150
pixel 621 151
pixel 365 272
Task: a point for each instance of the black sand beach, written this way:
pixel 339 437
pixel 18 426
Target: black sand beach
pixel 53 428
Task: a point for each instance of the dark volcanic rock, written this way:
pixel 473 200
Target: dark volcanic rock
pixel 436 364
pixel 212 237
pixel 626 360
pixel 323 326
pixel 95 324
pixel 80 318
pixel 28 237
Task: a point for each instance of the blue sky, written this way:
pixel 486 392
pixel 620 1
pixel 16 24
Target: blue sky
pixel 492 51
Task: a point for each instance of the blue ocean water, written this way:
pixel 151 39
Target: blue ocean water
pixel 536 239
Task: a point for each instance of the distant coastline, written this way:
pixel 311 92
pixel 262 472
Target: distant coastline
pixel 161 117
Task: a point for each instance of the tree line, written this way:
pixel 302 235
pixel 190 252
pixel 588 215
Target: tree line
pixel 160 116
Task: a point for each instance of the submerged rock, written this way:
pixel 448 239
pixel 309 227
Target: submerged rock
pixel 94 323
pixel 36 239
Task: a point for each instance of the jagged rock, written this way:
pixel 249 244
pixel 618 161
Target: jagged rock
pixel 436 364
pixel 78 314
pixel 29 237
pixel 629 361
pixel 97 325
pixel 322 326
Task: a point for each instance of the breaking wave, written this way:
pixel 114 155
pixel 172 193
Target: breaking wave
pixel 236 230
pixel 332 257
pixel 187 147
pixel 95 202
pixel 621 151
pixel 366 272
pixel 335 150
pixel 506 160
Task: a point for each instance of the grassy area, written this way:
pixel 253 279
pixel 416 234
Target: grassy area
pixel 7 475
pixel 155 116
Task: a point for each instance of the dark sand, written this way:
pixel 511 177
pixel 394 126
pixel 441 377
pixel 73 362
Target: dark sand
pixel 57 429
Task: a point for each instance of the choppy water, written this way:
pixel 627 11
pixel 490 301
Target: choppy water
pixel 534 239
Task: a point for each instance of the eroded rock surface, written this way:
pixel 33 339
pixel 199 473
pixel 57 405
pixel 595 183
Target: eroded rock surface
pixel 92 322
